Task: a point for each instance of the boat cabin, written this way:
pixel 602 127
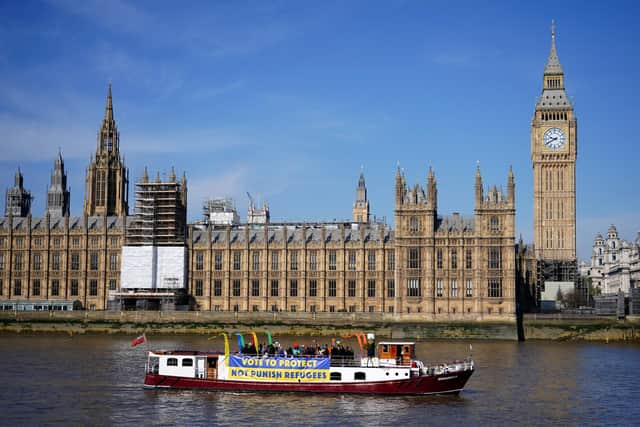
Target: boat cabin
pixel 184 364
pixel 396 353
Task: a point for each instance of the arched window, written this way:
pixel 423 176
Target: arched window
pixel 359 376
pixel 414 224
pixel 187 362
pixel 172 361
pixel 336 376
pixel 494 224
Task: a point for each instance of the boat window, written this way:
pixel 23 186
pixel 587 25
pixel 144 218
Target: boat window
pixel 187 362
pixel 359 376
pixel 336 376
pixel 172 361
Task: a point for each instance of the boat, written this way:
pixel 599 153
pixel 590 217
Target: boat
pixel 388 369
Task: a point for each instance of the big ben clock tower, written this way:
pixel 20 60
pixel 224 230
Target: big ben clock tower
pixel 554 150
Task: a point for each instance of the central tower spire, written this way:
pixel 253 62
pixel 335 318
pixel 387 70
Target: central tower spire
pixel 107 180
pixel 553 63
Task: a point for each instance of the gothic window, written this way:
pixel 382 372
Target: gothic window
pixel 218 261
pixel 274 288
pixel 55 261
pixel 332 288
pixel 113 262
pixel 371 260
pixel 454 288
pixel 439 288
pixel 332 260
pixel 1 262
pixel 74 287
pixel 439 258
pixel 495 288
pixel 237 257
pixel 391 260
pixel 255 260
pixel 75 261
pixel 274 261
pixel 217 288
pixel 494 224
pixel 391 288
pixel 113 285
pixel 18 262
pixel 36 287
pixel 255 288
pixel 454 259
pixel 313 260
pixel 37 262
pixel 413 258
pixel 371 288
pixel 17 287
pixel 313 288
pixel 468 259
pixel 293 288
pixel 352 260
pixel 236 288
pixel 351 288
pixel 294 260
pixel 414 224
pixel 469 288
pixel 495 255
pixel 94 261
pixel 413 287
pixel 93 288
pixel 199 288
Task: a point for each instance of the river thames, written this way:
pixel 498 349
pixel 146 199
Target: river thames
pixel 97 380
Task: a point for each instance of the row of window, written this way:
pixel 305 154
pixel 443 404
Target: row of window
pixel 413 259
pixel 274 289
pixel 414 288
pixel 55 264
pixel 294 260
pixel 56 287
pixel 56 242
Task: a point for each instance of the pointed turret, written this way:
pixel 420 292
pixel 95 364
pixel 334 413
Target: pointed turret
pixel 400 186
pixel 172 175
pixel 108 137
pixel 58 196
pixel 18 202
pixel 511 186
pixel 478 187
pixel 108 111
pixel 361 204
pixel 432 189
pixel 145 175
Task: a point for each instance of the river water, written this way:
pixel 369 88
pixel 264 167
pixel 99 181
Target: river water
pixel 97 380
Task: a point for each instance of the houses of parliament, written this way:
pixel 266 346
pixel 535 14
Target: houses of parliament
pixel 431 266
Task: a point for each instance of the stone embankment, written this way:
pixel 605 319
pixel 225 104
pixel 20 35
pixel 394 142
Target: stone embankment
pixel 317 324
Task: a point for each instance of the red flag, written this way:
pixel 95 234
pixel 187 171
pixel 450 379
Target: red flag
pixel 141 339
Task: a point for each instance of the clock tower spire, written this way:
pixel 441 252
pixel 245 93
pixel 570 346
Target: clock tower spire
pixel 553 155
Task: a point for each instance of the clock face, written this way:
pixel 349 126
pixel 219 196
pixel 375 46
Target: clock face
pixel 554 138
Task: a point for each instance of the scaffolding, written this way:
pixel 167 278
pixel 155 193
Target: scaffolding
pixel 160 215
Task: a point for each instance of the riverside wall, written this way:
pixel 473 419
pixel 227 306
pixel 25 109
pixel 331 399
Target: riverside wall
pixel 535 327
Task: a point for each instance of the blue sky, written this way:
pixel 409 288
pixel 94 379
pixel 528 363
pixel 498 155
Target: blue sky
pixel 288 100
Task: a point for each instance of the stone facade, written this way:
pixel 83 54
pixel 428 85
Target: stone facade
pixel 614 264
pixel 438 268
pixel 63 258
